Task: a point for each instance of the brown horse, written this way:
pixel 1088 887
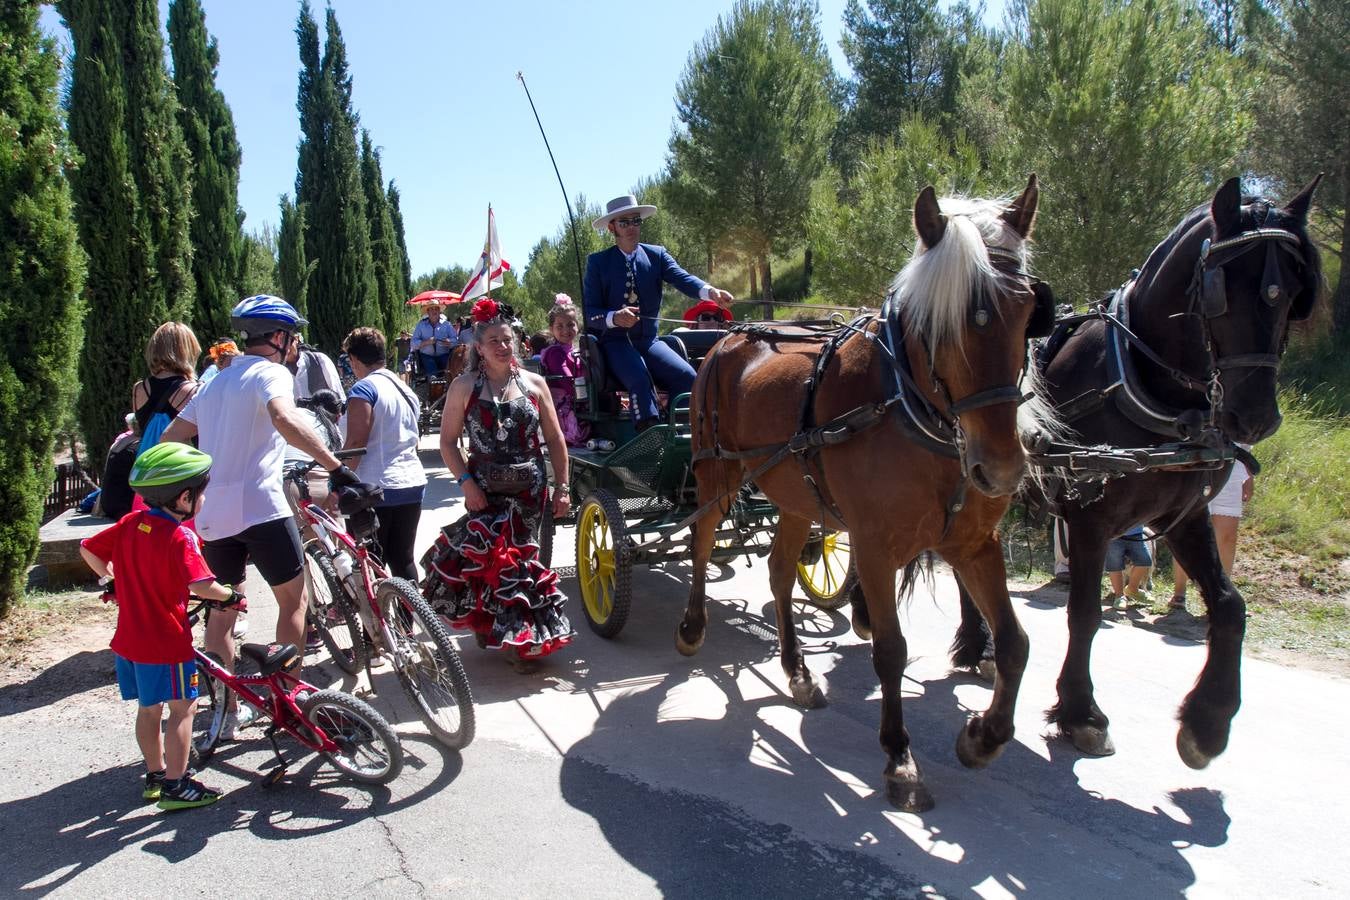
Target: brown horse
pixel 945 412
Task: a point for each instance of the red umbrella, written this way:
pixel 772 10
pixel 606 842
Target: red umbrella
pixel 440 298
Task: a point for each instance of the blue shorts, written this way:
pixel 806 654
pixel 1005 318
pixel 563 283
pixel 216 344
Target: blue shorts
pixel 153 683
pixel 1132 549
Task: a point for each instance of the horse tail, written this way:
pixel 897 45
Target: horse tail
pixel 918 568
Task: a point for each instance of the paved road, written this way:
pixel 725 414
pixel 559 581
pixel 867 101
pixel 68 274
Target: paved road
pixel 622 769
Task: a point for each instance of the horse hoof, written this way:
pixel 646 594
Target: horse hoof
pixel 806 693
pixel 968 746
pixel 1091 740
pixel 908 793
pixel 986 670
pixel 862 629
pixel 688 648
pixel 1189 749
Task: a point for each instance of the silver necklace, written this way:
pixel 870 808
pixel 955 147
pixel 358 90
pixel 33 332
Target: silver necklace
pixel 501 408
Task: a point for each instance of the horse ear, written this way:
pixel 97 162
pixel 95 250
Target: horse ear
pixel 1021 215
pixel 929 222
pixel 1226 209
pixel 1298 207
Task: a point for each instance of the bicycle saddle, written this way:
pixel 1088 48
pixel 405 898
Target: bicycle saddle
pixel 271 657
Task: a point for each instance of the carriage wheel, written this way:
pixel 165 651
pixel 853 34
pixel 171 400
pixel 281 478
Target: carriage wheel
pixel 604 567
pixel 826 571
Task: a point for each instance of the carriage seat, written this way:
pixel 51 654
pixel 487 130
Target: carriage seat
pixel 695 343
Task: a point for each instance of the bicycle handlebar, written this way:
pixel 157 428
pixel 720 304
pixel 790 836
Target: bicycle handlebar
pixel 300 469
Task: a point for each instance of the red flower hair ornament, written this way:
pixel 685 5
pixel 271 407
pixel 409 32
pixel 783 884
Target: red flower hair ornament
pixel 488 310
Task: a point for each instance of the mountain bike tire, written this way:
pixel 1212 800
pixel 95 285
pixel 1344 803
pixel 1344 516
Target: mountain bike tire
pixel 426 662
pixel 332 613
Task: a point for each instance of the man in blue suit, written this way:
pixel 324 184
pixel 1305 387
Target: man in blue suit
pixel 623 300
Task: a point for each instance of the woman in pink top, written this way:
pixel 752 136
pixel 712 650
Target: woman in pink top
pixel 562 364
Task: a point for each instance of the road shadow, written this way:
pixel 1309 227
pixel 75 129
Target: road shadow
pixel 52 837
pixel 84 671
pixel 796 795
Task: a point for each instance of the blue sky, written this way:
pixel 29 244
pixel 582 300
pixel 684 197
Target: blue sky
pixel 435 84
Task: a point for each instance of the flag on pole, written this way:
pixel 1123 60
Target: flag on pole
pixel 487 274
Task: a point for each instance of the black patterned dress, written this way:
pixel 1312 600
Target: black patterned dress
pixel 483 572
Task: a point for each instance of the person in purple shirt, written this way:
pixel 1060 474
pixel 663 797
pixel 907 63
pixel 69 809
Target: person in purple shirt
pixel 623 301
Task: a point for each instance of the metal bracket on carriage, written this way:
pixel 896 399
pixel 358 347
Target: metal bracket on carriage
pixel 1164 458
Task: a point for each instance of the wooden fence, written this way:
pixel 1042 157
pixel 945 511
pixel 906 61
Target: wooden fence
pixel 72 483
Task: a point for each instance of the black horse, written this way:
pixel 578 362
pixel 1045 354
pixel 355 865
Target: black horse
pixel 1157 385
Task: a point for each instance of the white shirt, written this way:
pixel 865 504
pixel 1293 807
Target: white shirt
pixel 235 428
pixel 391 459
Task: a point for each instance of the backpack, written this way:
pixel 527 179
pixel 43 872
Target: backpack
pixel 115 495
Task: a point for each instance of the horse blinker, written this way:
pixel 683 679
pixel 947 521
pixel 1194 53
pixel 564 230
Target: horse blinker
pixel 1042 320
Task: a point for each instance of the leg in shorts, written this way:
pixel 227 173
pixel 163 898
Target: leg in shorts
pixel 1121 550
pixel 274 547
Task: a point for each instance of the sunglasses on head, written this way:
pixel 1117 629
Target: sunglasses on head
pixel 629 223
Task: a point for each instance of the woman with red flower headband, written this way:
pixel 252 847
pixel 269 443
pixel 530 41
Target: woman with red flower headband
pixel 484 573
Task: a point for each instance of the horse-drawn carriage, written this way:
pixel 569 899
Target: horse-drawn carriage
pixel 634 502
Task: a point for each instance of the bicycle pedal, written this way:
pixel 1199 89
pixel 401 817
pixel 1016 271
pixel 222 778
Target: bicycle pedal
pixel 273 778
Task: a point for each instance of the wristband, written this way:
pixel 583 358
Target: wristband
pixel 459 482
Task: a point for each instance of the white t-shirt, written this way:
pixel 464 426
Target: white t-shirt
pixel 391 449
pixel 233 425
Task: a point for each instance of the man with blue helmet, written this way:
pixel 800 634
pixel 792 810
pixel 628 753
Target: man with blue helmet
pixel 245 422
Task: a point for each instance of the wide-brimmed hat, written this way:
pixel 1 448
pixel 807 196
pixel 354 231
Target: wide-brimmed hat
pixel 705 308
pixel 620 205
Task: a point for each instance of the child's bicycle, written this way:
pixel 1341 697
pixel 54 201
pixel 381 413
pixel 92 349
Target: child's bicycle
pixel 348 732
pixel 362 611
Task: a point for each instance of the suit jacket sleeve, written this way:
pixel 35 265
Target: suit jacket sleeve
pixel 678 278
pixel 594 301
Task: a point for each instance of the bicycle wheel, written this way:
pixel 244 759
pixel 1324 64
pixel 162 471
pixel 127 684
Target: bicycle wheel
pixel 427 664
pixel 331 612
pixel 369 750
pixel 213 702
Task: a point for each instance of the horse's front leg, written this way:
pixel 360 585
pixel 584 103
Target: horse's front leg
pixel 1207 712
pixel 1077 714
pixel 904 782
pixel 973 647
pixel 788 542
pixel 984 737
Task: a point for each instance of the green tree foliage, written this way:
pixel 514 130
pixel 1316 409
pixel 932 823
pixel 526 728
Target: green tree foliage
pixel 755 118
pixel 132 199
pixel 861 242
pixel 208 128
pixel 341 286
pixel 1305 118
pixel 293 267
pixel 259 270
pixel 41 270
pixel 1130 115
pixel 552 265
pixel 387 266
pixel 400 239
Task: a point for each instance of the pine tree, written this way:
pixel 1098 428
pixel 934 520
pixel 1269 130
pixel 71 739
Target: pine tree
pixel 341 286
pixel 41 270
pixel 385 262
pixel 132 197
pixel 208 128
pixel 400 238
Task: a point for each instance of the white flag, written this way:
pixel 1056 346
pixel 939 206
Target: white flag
pixel 487 273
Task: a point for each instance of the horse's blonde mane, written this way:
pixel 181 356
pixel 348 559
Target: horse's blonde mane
pixel 934 289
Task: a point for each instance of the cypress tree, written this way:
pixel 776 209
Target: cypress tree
pixel 400 240
pixel 208 128
pixel 41 271
pixel 292 268
pixel 385 262
pixel 132 199
pixel 341 287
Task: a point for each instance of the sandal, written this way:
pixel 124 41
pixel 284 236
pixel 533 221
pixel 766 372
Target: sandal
pixel 1178 602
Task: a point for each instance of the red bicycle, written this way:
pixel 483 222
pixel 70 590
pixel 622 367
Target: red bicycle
pixel 361 611
pixel 348 732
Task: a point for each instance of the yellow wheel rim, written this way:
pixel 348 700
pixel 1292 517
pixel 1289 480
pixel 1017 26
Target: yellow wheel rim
pixel 595 563
pixel 828 575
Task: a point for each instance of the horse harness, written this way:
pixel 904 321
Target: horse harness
pixel 1081 473
pixel 935 429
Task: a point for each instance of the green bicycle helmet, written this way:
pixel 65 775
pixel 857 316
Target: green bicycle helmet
pixel 167 469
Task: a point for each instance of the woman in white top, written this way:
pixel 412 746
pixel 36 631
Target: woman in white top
pixel 382 415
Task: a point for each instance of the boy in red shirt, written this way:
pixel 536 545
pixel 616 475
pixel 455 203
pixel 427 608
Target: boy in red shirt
pixel 158 562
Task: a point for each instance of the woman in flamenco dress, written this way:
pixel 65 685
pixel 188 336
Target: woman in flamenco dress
pixel 483 573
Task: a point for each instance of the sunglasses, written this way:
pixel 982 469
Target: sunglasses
pixel 709 317
pixel 629 223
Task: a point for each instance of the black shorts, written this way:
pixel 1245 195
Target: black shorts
pixel 274 547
